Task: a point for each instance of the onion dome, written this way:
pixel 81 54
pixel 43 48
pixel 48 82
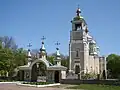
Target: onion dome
pixel 93 42
pixel 29 53
pixel 89 37
pixel 58 59
pixel 42 47
pixel 29 57
pixel 97 47
pixel 57 53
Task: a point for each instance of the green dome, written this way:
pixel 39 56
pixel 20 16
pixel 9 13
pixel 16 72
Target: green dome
pixel 78 18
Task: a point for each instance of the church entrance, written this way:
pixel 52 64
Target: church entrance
pixel 39 72
pixel 21 75
pixel 34 73
pixel 77 69
pixel 56 77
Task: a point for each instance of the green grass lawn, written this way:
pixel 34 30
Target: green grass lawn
pixel 95 87
pixel 6 80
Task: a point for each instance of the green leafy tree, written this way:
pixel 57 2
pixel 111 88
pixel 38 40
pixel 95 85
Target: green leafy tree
pixel 65 62
pixel 6 60
pixel 8 42
pixel 51 59
pixel 20 57
pixel 10 56
pixel 113 65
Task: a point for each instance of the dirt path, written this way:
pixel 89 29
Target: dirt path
pixel 16 87
pixel 64 86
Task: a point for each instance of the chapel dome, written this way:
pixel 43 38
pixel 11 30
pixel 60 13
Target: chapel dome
pixel 93 42
pixel 89 37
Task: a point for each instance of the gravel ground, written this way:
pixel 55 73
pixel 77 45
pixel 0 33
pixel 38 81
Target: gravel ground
pixel 16 87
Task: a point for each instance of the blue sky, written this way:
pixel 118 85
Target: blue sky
pixel 28 20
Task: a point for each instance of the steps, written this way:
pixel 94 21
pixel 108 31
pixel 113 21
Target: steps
pixel 72 76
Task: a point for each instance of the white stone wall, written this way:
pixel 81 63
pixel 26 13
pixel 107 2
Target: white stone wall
pixel 86 58
pixel 96 65
pixel 101 64
pixel 91 64
pixel 63 74
pixel 80 59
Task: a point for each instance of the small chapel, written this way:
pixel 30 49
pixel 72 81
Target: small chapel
pixel 41 70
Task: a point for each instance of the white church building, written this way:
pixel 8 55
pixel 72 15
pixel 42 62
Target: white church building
pixel 83 49
pixel 84 57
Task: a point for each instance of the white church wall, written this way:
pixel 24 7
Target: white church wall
pixel 101 64
pixel 63 74
pixel 91 64
pixel 96 65
pixel 86 58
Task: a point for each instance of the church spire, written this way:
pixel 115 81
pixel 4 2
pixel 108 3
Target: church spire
pixel 29 54
pixel 58 59
pixel 78 11
pixel 57 52
pixel 42 49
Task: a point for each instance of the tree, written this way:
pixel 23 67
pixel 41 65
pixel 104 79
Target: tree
pixel 20 57
pixel 10 57
pixel 8 42
pixel 113 65
pixel 51 59
pixel 6 59
pixel 65 61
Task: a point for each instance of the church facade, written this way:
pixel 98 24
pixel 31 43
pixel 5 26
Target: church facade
pixel 83 49
pixel 84 57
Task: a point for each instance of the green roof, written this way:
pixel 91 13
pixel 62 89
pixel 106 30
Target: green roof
pixel 78 18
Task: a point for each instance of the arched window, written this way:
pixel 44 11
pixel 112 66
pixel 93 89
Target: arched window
pixel 78 26
pixel 77 52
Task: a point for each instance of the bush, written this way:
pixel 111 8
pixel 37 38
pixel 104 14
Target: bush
pixel 6 80
pixel 89 76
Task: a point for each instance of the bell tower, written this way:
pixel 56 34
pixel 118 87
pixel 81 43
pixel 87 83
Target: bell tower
pixel 78 46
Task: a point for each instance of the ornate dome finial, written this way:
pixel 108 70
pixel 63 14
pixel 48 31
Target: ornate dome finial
pixel 42 47
pixel 78 11
pixel 42 52
pixel 58 59
pixel 57 52
pixel 43 38
pixel 57 43
pixel 29 45
pixel 29 54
